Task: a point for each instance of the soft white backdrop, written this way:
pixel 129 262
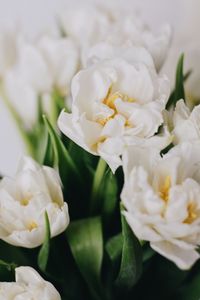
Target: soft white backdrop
pixel 36 15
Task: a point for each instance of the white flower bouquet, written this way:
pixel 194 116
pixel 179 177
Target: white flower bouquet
pixel 106 204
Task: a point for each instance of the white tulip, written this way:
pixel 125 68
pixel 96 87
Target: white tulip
pixel 103 51
pixel 25 199
pixel 131 29
pixel 162 202
pixel 90 25
pixel 47 63
pixel 87 24
pixel 158 44
pixel 62 58
pixel 29 285
pixel 186 124
pixel 114 103
pixel 42 66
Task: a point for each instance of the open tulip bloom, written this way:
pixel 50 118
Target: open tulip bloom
pixel 105 205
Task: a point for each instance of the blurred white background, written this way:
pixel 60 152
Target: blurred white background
pixel 36 15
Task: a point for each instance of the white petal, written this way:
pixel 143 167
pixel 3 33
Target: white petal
pixel 184 259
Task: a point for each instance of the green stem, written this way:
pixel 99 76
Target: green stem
pixel 18 122
pixel 100 170
pixel 53 110
pixel 57 104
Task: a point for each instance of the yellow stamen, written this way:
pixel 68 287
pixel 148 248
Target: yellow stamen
pixel 128 124
pixel 109 100
pixel 104 121
pixel 192 214
pixel 24 201
pixel 32 225
pixel 164 190
pixel 100 140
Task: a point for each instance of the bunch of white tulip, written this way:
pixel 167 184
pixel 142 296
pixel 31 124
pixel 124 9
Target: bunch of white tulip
pixel 121 115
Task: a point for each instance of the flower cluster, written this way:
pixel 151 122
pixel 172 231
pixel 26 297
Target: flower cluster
pixel 35 69
pixel 123 146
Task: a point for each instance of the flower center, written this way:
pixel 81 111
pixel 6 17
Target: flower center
pixel 25 198
pixel 25 201
pixel 109 101
pixel 32 225
pixel 164 195
pixel 165 188
pixel 192 213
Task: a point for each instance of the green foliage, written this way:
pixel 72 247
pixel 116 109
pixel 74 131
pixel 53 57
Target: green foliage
pixel 7 270
pixel 96 185
pixel 43 255
pixel 131 260
pixel 179 92
pixel 114 248
pixel 85 239
pixel 109 197
pixel 61 157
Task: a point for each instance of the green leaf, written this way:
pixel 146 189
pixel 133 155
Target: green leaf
pixel 189 290
pixel 148 252
pixel 86 243
pixel 48 159
pixel 8 266
pixel 45 249
pixel 166 149
pixel 131 261
pixel 7 271
pixel 85 160
pixel 57 104
pixel 61 156
pixel 39 136
pixel 109 197
pixel 96 186
pixel 114 247
pixel 179 92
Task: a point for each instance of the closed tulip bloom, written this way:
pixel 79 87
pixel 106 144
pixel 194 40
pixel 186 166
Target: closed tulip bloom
pixel 41 67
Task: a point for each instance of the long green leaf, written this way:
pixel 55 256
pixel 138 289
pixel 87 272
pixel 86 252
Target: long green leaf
pixel 131 261
pixel 57 104
pixel 62 158
pixel 48 157
pixel 114 247
pixel 109 197
pixel 86 243
pixel 45 249
pixel 97 182
pixel 179 92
